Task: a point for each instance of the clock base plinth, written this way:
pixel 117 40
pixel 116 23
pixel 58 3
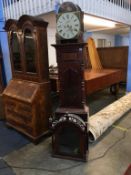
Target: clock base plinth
pixel 70 136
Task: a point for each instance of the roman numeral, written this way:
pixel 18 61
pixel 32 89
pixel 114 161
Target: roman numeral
pixel 72 17
pixel 76 30
pixel 67 16
pixel 60 31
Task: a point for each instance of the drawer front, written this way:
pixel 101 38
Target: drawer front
pixel 20 127
pixel 18 111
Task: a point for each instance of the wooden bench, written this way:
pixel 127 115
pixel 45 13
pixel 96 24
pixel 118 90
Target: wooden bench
pixel 100 79
pixel 115 58
pixel 96 77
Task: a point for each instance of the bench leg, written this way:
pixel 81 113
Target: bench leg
pixel 114 89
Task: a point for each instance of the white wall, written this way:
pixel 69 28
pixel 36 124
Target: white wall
pixel 109 38
pixel 51 31
pixel 125 40
pixel 51 50
pixel 50 17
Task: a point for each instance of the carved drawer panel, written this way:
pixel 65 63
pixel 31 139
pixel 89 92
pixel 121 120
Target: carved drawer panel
pixel 28 91
pixel 18 111
pixel 19 126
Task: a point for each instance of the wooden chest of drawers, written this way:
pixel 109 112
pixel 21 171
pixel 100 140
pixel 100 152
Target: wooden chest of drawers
pixel 24 111
pixel 27 96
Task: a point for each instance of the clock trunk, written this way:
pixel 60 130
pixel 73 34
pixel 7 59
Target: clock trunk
pixel 70 121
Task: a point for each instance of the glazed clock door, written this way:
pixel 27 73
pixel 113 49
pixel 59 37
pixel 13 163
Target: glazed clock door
pixel 15 51
pixel 30 54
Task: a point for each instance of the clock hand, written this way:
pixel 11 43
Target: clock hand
pixel 71 29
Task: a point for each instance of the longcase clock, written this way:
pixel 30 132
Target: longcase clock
pixel 69 123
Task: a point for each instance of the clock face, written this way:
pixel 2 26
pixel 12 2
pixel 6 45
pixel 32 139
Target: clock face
pixel 68 25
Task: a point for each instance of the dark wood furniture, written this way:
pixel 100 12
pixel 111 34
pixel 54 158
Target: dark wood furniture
pixel 114 58
pixel 27 96
pixel 69 124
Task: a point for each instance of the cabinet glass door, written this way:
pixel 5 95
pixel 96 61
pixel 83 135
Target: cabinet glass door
pixel 29 45
pixel 15 48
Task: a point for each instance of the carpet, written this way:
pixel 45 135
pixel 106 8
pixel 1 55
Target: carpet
pixel 2 114
pixel 10 140
pixel 5 169
pixel 128 171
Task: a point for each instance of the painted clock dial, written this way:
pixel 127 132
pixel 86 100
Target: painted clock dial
pixel 68 25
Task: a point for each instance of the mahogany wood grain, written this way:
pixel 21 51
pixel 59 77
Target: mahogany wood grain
pixel 115 58
pixel 27 96
pixel 72 107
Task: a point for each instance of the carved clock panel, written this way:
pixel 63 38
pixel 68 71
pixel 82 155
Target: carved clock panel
pixel 70 62
pixel 71 94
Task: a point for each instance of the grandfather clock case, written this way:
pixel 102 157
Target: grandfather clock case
pixel 27 96
pixel 69 124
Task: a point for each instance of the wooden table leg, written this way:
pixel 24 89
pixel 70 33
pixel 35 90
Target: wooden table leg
pixel 114 89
